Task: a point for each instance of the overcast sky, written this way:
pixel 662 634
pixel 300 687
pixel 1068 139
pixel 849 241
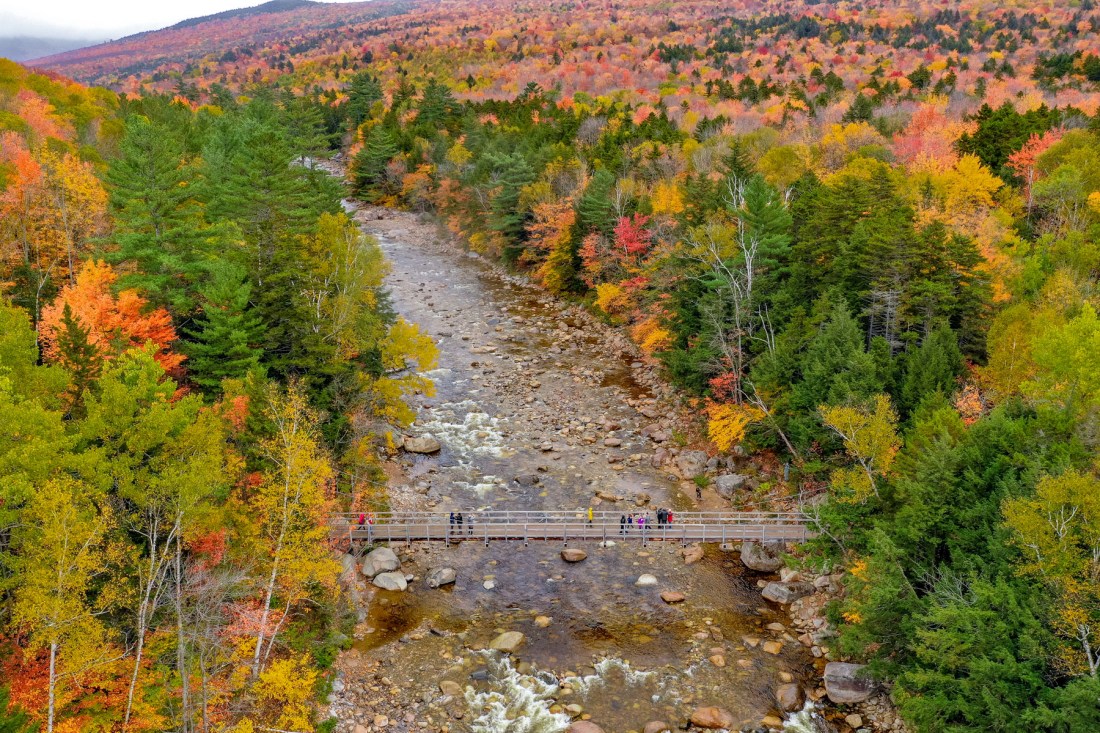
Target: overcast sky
pixel 104 18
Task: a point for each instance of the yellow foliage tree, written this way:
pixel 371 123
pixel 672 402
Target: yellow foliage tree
pixel 870 435
pixel 651 336
pixel 726 423
pixel 406 354
pixel 283 694
pixel 667 199
pixel 1058 531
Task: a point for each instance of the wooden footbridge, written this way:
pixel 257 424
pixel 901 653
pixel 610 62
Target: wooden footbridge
pixel 569 526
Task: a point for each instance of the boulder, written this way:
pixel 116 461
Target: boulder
pixel 727 485
pixel 441 576
pixel 421 444
pixel 713 717
pixel 692 554
pixel 380 560
pixel 691 463
pixel 657 726
pixel 671 596
pixel 789 697
pixel 645 580
pixel 584 726
pixel 847 683
pixel 785 593
pixel 573 554
pixel 508 642
pixel 450 687
pixel 764 558
pixel 347 569
pixel 390 581
pixel 527 479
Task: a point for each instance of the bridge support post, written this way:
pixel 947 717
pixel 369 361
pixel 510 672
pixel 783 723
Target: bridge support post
pixel 526 540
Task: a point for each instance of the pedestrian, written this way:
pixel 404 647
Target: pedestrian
pixel 590 515
pixel 370 517
pixel 470 525
pixel 698 492
pixel 660 517
pixel 452 519
pixel 362 519
pixel 668 517
pixel 641 521
pixel 458 521
pixel 622 524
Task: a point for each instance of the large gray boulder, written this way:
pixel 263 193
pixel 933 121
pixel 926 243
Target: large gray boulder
pixel 727 485
pixel 789 697
pixel 441 576
pixel 785 593
pixel 422 444
pixel 691 463
pixel 847 683
pixel 390 581
pixel 764 558
pixel 380 560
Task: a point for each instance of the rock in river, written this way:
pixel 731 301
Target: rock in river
pixel 508 642
pixel 441 576
pixel 712 717
pixel 380 560
pixel 657 726
pixel 390 581
pixel 671 596
pixel 785 593
pixel 789 697
pixel 421 444
pixel 584 726
pixel 764 558
pixel 645 580
pixel 847 683
pixel 573 554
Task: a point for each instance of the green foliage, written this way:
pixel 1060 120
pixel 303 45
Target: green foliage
pixel 226 337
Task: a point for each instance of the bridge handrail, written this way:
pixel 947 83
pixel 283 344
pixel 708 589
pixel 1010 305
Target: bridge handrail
pixel 351 519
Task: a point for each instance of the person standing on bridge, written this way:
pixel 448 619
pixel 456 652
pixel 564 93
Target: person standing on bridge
pixel 660 518
pixel 458 521
pixel 452 519
pixel 622 524
pixel 362 520
pixel 590 515
pixel 668 516
pixel 469 524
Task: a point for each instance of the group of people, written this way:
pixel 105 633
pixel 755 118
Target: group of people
pixel 457 519
pixel 641 520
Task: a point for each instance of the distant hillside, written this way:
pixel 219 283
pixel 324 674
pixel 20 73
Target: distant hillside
pixel 199 44
pixel 21 48
pixel 274 6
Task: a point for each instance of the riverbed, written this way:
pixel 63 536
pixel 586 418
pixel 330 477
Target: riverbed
pixel 539 407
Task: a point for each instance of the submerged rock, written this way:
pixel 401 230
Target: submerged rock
pixel 712 717
pixel 508 642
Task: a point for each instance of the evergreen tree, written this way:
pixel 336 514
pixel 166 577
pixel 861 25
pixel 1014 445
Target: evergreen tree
pixel 224 340
pixel 437 104
pixel 595 212
pixel 768 221
pixel 512 173
pixel 370 163
pixel 363 92
pixel 80 357
pixel 159 223
pixel 930 369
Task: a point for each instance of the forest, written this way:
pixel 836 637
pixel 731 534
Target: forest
pixel 865 241
pixel 197 366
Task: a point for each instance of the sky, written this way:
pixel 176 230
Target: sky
pixel 103 19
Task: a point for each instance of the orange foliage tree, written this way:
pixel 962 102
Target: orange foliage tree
pixel 114 324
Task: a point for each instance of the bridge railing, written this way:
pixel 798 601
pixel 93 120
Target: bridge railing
pixel 565 526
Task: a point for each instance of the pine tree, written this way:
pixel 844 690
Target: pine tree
pixel 436 105
pixel 363 92
pixel 513 173
pixel 594 210
pixel 159 223
pixel 370 163
pixel 225 340
pixel 80 357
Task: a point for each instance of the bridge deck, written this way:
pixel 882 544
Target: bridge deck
pixel 566 527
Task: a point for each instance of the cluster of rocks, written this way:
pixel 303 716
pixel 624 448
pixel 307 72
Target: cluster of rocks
pixel 383 568
pixel 805 596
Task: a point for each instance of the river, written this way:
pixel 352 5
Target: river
pixel 538 407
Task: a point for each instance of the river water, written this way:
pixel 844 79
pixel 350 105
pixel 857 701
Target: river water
pixel 537 409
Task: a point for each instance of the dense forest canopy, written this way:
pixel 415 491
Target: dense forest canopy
pixel 865 238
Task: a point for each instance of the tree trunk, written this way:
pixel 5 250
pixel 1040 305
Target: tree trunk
pixel 53 686
pixel 181 647
pixel 267 609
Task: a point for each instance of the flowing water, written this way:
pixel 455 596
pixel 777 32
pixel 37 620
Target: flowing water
pixel 527 397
